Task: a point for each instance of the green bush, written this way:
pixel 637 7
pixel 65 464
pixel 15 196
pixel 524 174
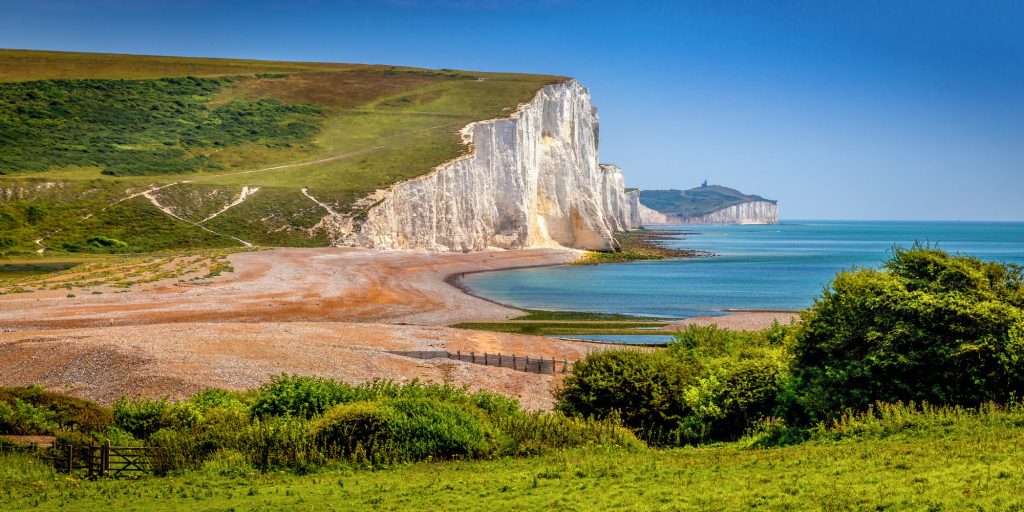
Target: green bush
pixel 69 413
pixel 643 389
pixel 728 400
pixel 533 434
pixel 360 431
pixel 710 384
pixel 23 418
pixel 305 397
pixel 214 398
pixel 281 442
pixel 930 326
pixel 103 242
pixel 144 417
pixel 406 429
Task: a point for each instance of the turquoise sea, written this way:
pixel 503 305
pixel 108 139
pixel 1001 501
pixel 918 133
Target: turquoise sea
pixel 781 266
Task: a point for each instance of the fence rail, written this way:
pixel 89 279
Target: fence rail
pixel 516 362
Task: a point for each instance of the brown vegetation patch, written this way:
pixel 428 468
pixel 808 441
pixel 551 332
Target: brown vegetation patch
pixel 333 89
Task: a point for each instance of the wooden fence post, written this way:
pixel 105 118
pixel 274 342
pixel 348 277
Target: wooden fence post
pixel 105 458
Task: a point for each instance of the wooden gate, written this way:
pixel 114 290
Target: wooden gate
pixel 102 460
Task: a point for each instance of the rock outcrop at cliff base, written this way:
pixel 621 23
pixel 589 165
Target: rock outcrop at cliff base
pixel 530 180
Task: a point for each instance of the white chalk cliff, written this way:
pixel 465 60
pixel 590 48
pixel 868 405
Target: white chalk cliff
pixel 751 212
pixel 652 216
pixel 529 180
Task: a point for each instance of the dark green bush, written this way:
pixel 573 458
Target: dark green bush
pixel 214 398
pixel 143 417
pixel 405 429
pixel 644 390
pixel 305 397
pixel 23 418
pixel 103 242
pixel 930 326
pixel 69 413
pixel 709 385
pixel 360 431
pixel 281 442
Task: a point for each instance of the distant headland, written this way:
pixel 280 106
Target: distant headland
pixel 706 204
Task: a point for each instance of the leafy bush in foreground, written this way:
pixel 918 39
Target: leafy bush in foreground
pixel 641 388
pixel 930 326
pixel 710 385
pixel 404 429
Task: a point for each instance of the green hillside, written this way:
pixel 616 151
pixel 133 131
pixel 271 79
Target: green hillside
pixel 149 151
pixel 696 201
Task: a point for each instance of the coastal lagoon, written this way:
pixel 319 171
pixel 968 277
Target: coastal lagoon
pixel 769 267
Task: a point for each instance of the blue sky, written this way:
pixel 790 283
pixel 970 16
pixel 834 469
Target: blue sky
pixel 841 110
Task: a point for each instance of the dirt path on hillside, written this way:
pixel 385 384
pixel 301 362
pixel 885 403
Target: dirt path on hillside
pixel 334 312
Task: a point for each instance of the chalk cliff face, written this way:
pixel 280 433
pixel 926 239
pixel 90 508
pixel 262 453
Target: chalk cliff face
pixel 650 215
pixel 753 212
pixel 530 180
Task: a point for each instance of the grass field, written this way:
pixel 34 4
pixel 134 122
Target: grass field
pixel 555 323
pixel 83 132
pixel 920 462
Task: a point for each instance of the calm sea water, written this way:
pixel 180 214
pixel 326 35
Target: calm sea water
pixel 781 266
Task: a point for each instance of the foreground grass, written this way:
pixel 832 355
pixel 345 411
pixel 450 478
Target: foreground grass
pixel 978 470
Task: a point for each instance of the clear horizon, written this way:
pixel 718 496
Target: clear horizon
pixel 839 110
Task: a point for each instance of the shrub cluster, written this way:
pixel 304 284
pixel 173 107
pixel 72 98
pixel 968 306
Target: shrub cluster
pixel 302 423
pixel 710 385
pixel 33 410
pixel 928 327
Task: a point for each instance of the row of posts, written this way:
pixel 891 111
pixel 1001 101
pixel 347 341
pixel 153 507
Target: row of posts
pixel 515 361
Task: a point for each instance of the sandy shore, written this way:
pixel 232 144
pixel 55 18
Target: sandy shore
pixel 330 312
pixel 316 285
pixel 177 360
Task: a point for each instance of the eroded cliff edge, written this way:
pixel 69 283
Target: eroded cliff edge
pixel 530 180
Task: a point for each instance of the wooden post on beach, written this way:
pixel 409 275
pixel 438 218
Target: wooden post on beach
pixel 565 365
pixel 514 366
pixel 473 355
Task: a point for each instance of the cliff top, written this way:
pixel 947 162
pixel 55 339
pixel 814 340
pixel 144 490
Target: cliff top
pixel 695 201
pixel 240 147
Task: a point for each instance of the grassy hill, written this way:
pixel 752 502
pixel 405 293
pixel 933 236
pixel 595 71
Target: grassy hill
pixel 149 151
pixel 696 201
